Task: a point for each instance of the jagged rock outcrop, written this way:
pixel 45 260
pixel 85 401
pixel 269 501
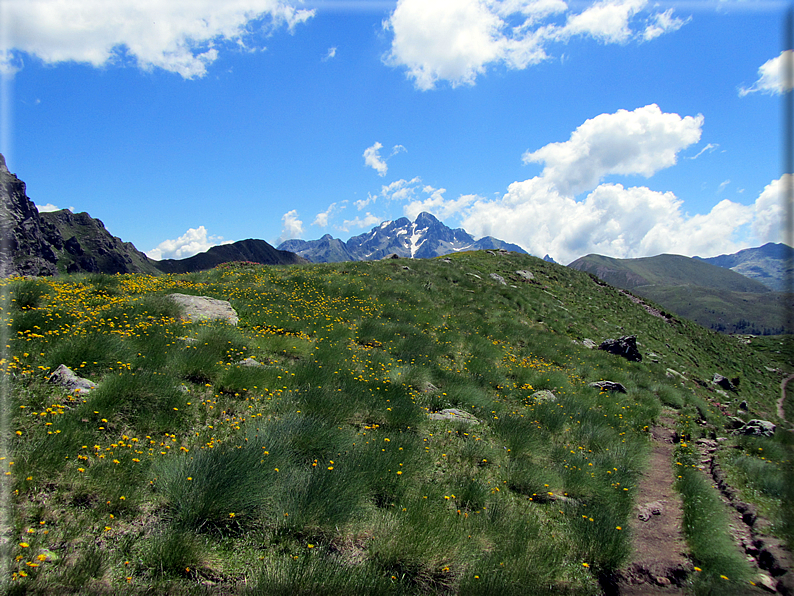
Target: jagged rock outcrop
pixel 83 244
pixel 43 244
pixel 608 386
pixel 24 248
pixel 66 377
pixel 625 346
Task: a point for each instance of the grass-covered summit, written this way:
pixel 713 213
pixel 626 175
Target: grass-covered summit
pixel 320 471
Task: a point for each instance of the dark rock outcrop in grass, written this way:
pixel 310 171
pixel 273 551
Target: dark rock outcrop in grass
pixel 625 346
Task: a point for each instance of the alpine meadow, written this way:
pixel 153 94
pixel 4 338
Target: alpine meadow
pixel 403 426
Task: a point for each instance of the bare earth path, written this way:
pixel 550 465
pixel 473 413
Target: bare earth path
pixel 658 563
pixel 780 412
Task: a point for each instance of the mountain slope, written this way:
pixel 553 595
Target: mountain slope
pixel 424 238
pixel 82 244
pixel 325 250
pixel 255 251
pixel 712 296
pixel 665 270
pixel 769 264
pixel 43 244
pixel 369 428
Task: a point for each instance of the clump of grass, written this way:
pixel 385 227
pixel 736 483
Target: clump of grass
pixel 203 359
pixel 203 490
pixel 321 572
pixel 146 400
pixel 89 353
pixel 28 294
pixel 669 396
pixel 171 554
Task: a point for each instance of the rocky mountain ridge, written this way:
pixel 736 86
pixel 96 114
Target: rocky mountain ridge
pixel 771 264
pixel 424 238
pixel 56 242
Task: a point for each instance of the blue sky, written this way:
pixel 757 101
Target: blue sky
pixel 622 127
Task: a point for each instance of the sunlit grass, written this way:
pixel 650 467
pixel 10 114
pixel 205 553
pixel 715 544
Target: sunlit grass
pixel 317 469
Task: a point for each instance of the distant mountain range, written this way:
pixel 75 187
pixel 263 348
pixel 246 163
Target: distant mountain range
pixel 770 264
pixel 716 297
pixel 424 238
pixel 729 293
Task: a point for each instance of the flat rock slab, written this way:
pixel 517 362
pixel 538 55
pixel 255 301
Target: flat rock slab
pixel 65 377
pixel 454 414
pixel 204 308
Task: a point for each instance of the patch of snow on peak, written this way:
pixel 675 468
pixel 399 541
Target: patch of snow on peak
pixel 416 236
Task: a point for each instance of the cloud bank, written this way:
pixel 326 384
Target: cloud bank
pixel 570 210
pixel 175 35
pixel 192 242
pixel 456 40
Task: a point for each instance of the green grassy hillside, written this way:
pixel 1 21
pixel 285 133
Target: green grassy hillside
pixel 321 471
pixel 717 298
pixel 666 270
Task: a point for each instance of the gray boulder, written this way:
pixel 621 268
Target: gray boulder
pixel 65 377
pixel 250 362
pixel 544 395
pixel 734 422
pixel 203 308
pixel 498 278
pixel 625 346
pixel 609 386
pixel 758 428
pixel 589 343
pixel 527 275
pixel 723 382
pixel 453 414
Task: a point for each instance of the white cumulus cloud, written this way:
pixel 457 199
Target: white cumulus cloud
pixel 373 159
pixel 643 141
pixel 774 76
pixel 293 227
pixel 456 40
pixel 192 242
pixel 605 21
pixel 770 210
pixel 180 36
pixel 436 204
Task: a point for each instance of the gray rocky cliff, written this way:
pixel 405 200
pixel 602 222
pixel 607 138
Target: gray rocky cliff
pixel 24 247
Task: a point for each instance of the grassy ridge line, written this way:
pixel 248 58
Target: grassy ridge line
pixel 667 270
pixel 322 466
